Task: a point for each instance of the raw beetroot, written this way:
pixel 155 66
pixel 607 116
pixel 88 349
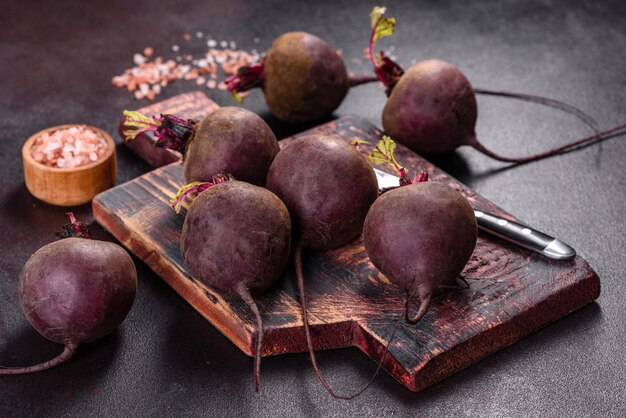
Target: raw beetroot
pixel 328 187
pixel 75 291
pixel 228 140
pixel 236 238
pixel 432 107
pixel 303 78
pixel 419 235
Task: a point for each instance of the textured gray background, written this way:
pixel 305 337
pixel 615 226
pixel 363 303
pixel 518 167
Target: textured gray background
pixel 57 60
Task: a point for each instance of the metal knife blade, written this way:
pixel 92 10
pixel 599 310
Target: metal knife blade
pixel 514 232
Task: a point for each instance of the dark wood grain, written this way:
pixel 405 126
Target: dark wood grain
pixel 512 293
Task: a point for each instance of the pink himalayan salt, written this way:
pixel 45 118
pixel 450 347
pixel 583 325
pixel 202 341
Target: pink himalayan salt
pixel 69 147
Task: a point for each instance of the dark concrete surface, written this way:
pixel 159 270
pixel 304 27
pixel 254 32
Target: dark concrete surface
pixel 56 63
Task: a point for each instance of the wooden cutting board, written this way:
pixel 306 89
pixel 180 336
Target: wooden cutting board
pixel 513 292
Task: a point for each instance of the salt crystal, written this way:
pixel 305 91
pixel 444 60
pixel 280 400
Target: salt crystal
pixel 149 72
pixel 139 59
pixel 52 146
pixel 56 149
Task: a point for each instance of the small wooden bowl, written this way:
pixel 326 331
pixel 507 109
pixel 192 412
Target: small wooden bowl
pixel 69 186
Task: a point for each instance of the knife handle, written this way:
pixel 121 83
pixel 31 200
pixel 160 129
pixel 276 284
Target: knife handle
pixel 524 236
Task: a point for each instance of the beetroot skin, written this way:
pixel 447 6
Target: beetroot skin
pixel 77 290
pixel 236 234
pixel 431 109
pixel 328 187
pixel 305 78
pixel 231 140
pixel 420 236
pixel 74 291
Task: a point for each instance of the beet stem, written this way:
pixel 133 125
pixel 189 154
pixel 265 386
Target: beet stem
pixel 424 305
pixel 67 353
pixel 357 80
pixel 244 294
pixel 546 101
pixel 307 331
pixel 609 133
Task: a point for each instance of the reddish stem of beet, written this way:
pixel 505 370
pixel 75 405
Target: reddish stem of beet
pixel 617 130
pixel 244 294
pixel 68 352
pixel 172 132
pixel 74 228
pixel 309 341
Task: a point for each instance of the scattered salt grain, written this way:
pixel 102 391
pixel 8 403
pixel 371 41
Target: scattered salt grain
pixel 150 73
pixel 69 147
pixel 139 59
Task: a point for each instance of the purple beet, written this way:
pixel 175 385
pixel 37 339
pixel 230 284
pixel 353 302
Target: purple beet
pixel 236 238
pixel 420 236
pixel 303 78
pixel 75 291
pixel 432 106
pixel 228 140
pixel 328 187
